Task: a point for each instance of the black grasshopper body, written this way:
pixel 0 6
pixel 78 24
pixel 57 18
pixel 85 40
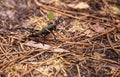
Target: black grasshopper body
pixel 44 31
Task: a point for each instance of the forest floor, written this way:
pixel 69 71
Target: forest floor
pixel 84 43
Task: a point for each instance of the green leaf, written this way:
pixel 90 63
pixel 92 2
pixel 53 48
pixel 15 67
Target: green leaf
pixel 50 16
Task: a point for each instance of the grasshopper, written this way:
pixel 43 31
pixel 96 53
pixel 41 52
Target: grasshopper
pixel 45 31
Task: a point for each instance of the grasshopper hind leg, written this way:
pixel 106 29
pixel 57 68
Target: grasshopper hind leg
pixel 54 36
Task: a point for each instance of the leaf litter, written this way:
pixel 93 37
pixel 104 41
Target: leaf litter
pixel 87 40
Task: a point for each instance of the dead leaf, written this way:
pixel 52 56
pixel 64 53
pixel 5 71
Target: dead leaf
pixel 97 28
pixel 45 46
pixel 80 5
pixel 37 45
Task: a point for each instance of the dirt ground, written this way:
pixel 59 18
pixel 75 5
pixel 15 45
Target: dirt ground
pixel 59 38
